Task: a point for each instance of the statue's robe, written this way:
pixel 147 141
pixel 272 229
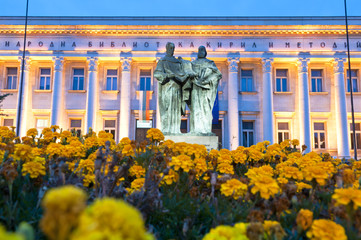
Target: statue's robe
pixel 203 95
pixel 170 93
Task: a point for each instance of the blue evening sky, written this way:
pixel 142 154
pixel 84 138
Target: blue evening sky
pixel 180 7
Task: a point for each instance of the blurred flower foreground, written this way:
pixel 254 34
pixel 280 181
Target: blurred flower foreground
pixel 56 185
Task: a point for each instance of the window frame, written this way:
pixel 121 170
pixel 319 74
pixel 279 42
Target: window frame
pixel 248 131
pixel 76 128
pixel 351 133
pixel 247 78
pixel 323 73
pixel 41 128
pixel 112 76
pixel 73 75
pixel 281 81
pixel 7 78
pixel 318 132
pixel 110 128
pixel 139 76
pixel 7 117
pixel 347 80
pixel 50 76
pixel 283 131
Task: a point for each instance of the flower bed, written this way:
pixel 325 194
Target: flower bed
pixel 61 186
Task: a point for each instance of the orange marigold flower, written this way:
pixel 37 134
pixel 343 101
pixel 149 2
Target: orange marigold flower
pixel 304 219
pixel 345 196
pixel 326 229
pixel 234 188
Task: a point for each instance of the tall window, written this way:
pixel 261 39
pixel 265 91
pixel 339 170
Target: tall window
pixel 41 123
pixel 354 81
pixel 8 122
pixel 76 124
pixel 184 126
pixel 11 78
pixel 112 79
pixel 248 133
pixel 316 80
pixel 283 131
pixel 109 127
pixel 319 132
pixel 281 80
pixel 358 135
pixel 246 80
pixel 78 79
pixel 44 79
pixel 145 80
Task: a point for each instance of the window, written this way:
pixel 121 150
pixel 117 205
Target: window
pixel 354 81
pixel 112 79
pixel 76 124
pixel 44 79
pixel 109 127
pixel 145 80
pixel 12 78
pixel 184 126
pixel 358 135
pixel 319 135
pixel 246 80
pixel 78 79
pixel 41 123
pixel 316 81
pixel 281 80
pixel 283 131
pixel 248 133
pixel 8 122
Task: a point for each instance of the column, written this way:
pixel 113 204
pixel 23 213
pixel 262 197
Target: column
pixel 91 97
pixel 156 83
pixel 25 98
pixel 233 112
pixel 267 107
pixel 343 149
pixel 304 104
pixel 124 116
pixel 57 106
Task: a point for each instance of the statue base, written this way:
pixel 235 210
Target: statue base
pixel 211 142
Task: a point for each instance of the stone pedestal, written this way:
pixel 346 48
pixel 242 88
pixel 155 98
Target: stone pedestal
pixel 211 142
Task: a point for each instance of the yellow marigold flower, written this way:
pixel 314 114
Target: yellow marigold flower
pixel 35 169
pixel 345 196
pixel 62 208
pixel 54 149
pixel 348 176
pixel 266 170
pixel 223 232
pixel 285 144
pixel 137 171
pixel 32 132
pixel 6 133
pixel 234 188
pixel 265 185
pixel 48 136
pixel 65 134
pixel 9 236
pixel 88 179
pixel 315 173
pixel 91 142
pixel 304 219
pixel 200 166
pixel 136 185
pixel 326 229
pixel 302 185
pixel 291 173
pixel 282 180
pixel 182 161
pixel 214 153
pixel 239 156
pixel 128 150
pixel 155 135
pixel 168 143
pixel 225 168
pixel 170 178
pixel 242 227
pixel 23 152
pixel 101 221
pixel 37 151
pixel 86 165
pixel 73 150
pixel 267 224
pixel 274 230
pixel 255 154
pixel 295 142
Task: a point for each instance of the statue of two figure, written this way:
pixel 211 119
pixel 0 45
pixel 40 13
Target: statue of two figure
pixel 183 82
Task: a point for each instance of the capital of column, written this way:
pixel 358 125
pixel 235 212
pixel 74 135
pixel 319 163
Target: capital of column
pixel 126 61
pixel 58 63
pixel 338 65
pixel 26 63
pixel 267 64
pixel 92 64
pixel 303 64
pixel 233 64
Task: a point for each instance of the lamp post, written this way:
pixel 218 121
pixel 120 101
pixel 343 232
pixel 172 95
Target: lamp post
pixel 18 122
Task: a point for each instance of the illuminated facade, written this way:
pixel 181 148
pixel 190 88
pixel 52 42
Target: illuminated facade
pixel 283 78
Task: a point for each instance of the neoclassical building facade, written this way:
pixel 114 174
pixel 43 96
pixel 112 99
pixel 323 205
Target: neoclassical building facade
pixel 283 78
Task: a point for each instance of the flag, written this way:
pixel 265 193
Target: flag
pixel 215 111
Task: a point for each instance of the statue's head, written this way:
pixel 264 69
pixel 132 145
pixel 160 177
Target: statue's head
pixel 202 52
pixel 170 48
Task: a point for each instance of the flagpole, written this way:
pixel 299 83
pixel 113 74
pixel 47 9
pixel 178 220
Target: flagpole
pixel 22 74
pixel 350 84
